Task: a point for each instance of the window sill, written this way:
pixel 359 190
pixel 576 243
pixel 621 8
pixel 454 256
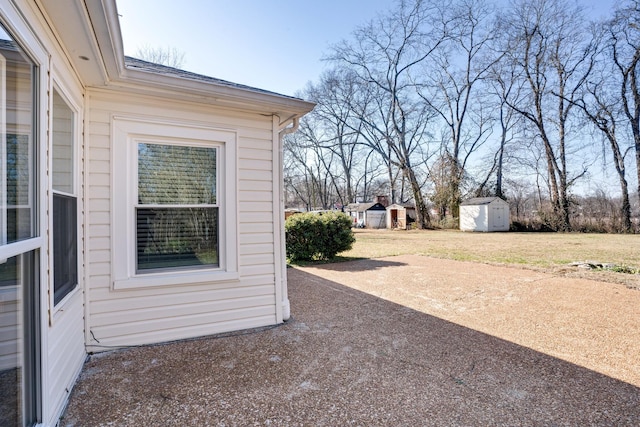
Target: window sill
pixel 176 279
pixel 62 306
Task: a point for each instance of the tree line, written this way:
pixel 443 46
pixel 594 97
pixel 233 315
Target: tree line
pixel 435 101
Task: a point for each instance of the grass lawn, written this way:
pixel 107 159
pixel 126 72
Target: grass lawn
pixel 551 252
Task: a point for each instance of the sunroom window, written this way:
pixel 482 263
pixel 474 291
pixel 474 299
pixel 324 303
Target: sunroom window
pixel 20 243
pixel 17 213
pixel 65 228
pixel 176 216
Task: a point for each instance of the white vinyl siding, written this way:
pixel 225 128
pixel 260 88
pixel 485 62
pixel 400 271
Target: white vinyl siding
pixel 120 317
pixel 66 351
pixel 9 326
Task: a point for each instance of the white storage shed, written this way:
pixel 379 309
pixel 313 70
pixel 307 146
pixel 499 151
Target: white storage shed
pixel 484 214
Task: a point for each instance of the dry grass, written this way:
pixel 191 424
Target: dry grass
pixel 550 252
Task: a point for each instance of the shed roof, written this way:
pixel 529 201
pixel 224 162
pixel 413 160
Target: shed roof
pixel 480 201
pixel 361 207
pixel 399 206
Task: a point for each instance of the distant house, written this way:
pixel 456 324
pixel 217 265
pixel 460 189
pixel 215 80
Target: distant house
pixel 484 214
pixel 291 211
pixel 400 217
pixel 138 203
pixel 370 214
pixel 367 215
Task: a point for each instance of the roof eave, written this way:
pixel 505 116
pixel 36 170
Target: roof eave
pixel 285 107
pixel 91 35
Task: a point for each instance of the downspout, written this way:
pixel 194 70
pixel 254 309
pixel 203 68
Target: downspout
pixel 291 129
pixel 286 306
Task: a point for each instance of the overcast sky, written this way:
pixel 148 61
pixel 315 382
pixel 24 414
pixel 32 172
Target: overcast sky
pixel 269 44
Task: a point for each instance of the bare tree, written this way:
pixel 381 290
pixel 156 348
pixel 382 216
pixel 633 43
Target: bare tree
pixel 305 172
pixel 383 54
pixel 339 126
pixel 502 85
pixel 624 48
pixel 601 105
pixel 444 194
pixel 169 56
pixel 452 89
pixel 546 43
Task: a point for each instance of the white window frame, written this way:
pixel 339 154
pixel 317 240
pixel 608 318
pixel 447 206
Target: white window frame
pixel 219 149
pixel 17 28
pixel 73 105
pixel 126 134
pixel 3 152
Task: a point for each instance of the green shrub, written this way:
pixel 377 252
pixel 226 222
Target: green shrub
pixel 318 236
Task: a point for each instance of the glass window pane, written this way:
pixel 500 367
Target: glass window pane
pixel 62 145
pixel 65 244
pixel 17 201
pixel 18 339
pixel 177 175
pixel 176 237
pixel 10 349
pixel 18 212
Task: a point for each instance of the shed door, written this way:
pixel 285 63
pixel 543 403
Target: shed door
pixel 498 219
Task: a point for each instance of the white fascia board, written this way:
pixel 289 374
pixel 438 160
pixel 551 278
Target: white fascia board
pixel 108 35
pixel 212 93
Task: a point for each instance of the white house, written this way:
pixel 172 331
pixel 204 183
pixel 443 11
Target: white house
pixel 484 214
pixel 138 203
pixel 368 215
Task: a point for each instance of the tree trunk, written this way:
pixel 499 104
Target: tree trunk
pixel 637 145
pixel 423 219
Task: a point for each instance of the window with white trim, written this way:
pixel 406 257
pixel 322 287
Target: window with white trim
pixel 65 225
pixel 174 205
pixel 177 211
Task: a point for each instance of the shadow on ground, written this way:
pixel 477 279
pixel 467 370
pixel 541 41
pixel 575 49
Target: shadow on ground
pixel 363 264
pixel 346 358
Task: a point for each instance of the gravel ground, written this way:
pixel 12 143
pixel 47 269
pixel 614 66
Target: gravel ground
pixel 403 341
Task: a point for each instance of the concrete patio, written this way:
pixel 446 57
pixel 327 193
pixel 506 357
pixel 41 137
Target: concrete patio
pixel 403 341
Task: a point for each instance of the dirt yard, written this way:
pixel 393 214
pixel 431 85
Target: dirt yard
pixel 408 340
pixel 592 324
pixel 549 252
pixel 513 338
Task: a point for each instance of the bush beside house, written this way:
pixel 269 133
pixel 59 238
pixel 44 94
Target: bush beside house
pixel 313 236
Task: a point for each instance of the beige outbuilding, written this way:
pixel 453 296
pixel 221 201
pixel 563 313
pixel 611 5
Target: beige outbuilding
pixel 400 216
pixel 484 214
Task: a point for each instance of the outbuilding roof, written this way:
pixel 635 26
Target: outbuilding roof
pixel 361 207
pixel 480 201
pixel 403 206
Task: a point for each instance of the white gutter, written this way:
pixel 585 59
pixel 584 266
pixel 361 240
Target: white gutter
pixel 284 293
